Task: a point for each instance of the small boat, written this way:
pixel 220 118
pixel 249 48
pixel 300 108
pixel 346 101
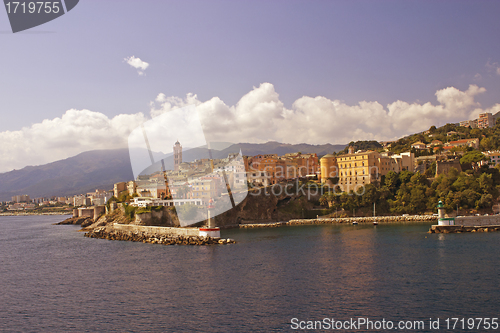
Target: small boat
pixel 375 223
pixel 354 222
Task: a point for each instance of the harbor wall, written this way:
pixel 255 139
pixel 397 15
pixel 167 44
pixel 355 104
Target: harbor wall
pixel 156 231
pixel 346 220
pixel 474 221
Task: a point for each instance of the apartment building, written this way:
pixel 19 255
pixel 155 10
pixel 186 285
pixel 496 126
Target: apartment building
pixel 469 123
pixel 485 120
pixel 364 167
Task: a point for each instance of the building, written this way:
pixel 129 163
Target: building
pixel 469 123
pixel 21 198
pixel 474 143
pixel 204 189
pixel 259 178
pixel 329 168
pixel 131 187
pixel 304 164
pixel 356 169
pixel 152 190
pixel 419 145
pixel 81 200
pixel 494 157
pixel 367 167
pixel 485 120
pixel 145 202
pixel 436 143
pixel 177 155
pixel 118 188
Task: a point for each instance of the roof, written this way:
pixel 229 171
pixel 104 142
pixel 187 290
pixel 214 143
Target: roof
pixel 327 156
pixel 418 143
pixel 359 154
pixel 463 140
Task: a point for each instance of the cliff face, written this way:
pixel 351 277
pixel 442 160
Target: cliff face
pixel 258 207
pixel 264 206
pixel 161 218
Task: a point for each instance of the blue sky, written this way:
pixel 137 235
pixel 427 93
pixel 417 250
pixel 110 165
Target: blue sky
pixel 350 51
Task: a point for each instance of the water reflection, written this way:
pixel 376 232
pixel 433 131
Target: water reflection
pixel 56 280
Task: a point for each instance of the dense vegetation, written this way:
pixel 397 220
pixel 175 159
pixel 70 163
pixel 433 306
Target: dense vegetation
pixel 489 138
pixel 413 193
pixel 362 145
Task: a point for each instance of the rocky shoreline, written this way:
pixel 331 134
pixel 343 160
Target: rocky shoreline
pixel 81 221
pixel 110 234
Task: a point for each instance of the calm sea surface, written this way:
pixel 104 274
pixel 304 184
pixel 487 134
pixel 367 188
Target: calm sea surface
pixel 55 280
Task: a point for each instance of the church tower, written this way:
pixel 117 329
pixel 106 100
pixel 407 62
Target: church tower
pixel 177 155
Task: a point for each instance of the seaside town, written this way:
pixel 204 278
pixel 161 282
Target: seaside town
pixel 430 154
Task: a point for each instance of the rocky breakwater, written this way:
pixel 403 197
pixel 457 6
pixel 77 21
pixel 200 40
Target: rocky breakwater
pixel 457 229
pixel 138 236
pixel 345 220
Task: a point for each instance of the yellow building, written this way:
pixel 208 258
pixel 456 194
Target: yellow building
pixel 329 168
pixel 357 169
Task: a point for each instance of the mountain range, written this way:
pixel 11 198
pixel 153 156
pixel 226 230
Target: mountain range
pixel 90 170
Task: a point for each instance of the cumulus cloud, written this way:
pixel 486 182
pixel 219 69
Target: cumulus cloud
pixel 259 116
pixel 493 67
pixel 75 132
pixel 137 63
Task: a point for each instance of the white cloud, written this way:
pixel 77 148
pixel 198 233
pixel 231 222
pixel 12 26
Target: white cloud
pixel 492 67
pixel 75 132
pixel 137 63
pixel 259 116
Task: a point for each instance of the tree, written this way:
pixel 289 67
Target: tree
pixel 418 179
pixel 392 181
pixel 405 176
pixel 186 212
pixel 472 158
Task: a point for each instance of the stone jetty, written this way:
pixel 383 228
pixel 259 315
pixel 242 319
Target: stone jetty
pixel 457 229
pixel 138 236
pixel 344 220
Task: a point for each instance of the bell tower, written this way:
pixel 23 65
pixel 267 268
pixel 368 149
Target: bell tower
pixel 177 155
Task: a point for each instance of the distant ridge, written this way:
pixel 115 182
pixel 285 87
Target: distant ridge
pixel 102 168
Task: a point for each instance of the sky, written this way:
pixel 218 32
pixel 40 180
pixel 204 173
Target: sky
pixel 290 71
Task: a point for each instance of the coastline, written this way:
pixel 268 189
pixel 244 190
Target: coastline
pixel 34 214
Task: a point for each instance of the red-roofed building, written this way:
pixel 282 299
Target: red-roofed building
pixel 474 143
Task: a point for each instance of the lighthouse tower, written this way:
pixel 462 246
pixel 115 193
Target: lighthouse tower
pixel 177 155
pixel 442 220
pixel 211 230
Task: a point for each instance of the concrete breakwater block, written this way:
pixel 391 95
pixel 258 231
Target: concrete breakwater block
pixel 104 233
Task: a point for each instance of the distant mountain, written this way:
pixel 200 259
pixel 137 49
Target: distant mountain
pixel 273 147
pixel 102 168
pixel 79 174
